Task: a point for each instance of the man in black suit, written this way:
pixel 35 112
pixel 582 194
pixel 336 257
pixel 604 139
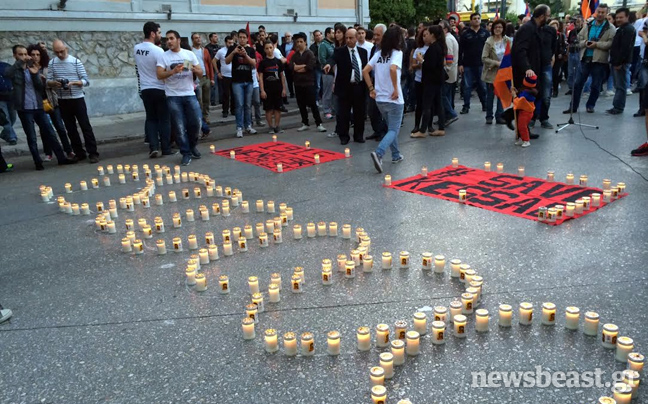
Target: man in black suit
pixel 349 87
pixel 285 48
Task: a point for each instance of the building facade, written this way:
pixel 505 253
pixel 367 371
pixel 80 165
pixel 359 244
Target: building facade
pixel 102 33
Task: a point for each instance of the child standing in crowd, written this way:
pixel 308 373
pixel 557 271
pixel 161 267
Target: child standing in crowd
pixel 524 105
pixel 273 87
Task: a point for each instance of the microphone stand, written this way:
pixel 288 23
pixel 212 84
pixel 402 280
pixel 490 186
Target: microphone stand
pixel 571 122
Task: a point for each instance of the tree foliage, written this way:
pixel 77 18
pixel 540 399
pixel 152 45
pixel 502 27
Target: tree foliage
pixel 555 5
pixel 406 12
pixel 430 10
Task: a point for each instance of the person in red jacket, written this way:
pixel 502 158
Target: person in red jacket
pixel 524 106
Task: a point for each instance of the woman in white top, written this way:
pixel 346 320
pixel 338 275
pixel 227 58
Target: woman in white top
pixel 387 65
pixel 422 47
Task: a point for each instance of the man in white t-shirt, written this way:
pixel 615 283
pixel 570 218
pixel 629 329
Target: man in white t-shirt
pixel 205 82
pixel 177 67
pixel 362 40
pixel 157 126
pixel 224 73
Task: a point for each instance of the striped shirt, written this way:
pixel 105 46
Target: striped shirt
pixel 72 69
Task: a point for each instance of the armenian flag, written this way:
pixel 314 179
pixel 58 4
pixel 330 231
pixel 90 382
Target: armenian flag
pixel 588 7
pixel 527 12
pixel 504 78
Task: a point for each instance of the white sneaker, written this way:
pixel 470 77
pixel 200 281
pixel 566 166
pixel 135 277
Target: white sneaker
pixel 303 128
pixel 525 144
pixel 239 132
pixel 518 142
pixel 609 93
pixel 321 128
pixel 628 92
pixel 5 314
pixel 251 130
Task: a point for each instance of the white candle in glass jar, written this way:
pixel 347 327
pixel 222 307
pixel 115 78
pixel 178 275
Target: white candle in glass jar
pixel 398 351
pixel 307 344
pixel 424 171
pixel 548 313
pixel 591 324
pixel 177 244
pixel 290 344
pixel 161 247
pixel 263 240
pixel 455 162
pixel 526 313
pixel 193 242
pixel 572 317
pixel 455 266
pixel 481 320
pixel 355 257
pixel 346 231
pixel 321 229
pixel 420 323
pixel 232 154
pixel 274 295
pixel 438 332
pixel 569 179
pixel 248 232
pixel 412 346
pixel 190 274
pixel 247 325
pixel 579 207
pixel 333 343
pixel 341 262
pixel 213 252
pixel 487 166
pixel 439 263
pixel 223 285
pixel 290 214
pixel 505 315
pixel 317 158
pixel 257 298
pixel 622 393
pixel 311 230
pixel 327 278
pixel 377 376
pixel 632 378
pixel 367 263
pixel 467 303
pixel 378 394
pixel 607 196
pixel 624 346
pixel 201 282
pixel 204 213
pixel 76 211
pixel 400 329
pixel 382 335
pixel 427 260
pixel 609 336
pixel 388 180
pixel 460 326
pixel 270 207
pixel 636 361
pixel 242 244
pixel 296 284
pixel 500 168
pixel 252 312
pixel 297 232
pixel 455 309
pixel 126 245
pixel 349 269
pixel 462 195
pixel 204 256
pixel 277 236
pixel 253 283
pixel 404 259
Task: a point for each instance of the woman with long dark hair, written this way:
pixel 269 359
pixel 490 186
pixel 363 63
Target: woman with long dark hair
pixel 492 55
pixel 434 75
pixel 560 55
pixel 387 65
pixel 421 48
pixel 340 32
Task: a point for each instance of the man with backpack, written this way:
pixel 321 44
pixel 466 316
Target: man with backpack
pixel 6 106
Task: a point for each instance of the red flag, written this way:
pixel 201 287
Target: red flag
pixel 497 13
pixel 527 12
pixel 247 28
pixel 504 78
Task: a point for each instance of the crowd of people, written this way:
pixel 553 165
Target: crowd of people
pixel 347 75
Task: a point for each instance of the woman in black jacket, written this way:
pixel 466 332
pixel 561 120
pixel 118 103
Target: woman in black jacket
pixel 560 55
pixel 434 76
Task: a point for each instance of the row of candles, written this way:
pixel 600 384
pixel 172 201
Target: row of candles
pixel 307 144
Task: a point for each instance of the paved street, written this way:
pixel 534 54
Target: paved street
pixel 92 324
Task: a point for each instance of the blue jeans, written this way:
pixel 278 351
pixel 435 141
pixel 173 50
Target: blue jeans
pixel 448 91
pixel 38 116
pixel 472 79
pixel 490 100
pixel 392 113
pixel 57 121
pixel 317 71
pixel 621 83
pixel 186 117
pixel 574 67
pixel 543 102
pixel 597 72
pixel 243 98
pixel 213 93
pixel 8 132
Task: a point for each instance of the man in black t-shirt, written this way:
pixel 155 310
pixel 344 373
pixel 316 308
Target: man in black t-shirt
pixel 243 59
pixel 213 47
pixel 407 77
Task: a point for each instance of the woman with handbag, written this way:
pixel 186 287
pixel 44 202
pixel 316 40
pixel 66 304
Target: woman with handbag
pixel 492 56
pixel 50 103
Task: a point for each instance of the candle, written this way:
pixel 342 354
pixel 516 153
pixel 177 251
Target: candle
pixel 387 180
pixel 386 260
pixel 251 311
pixel 607 196
pixel 245 207
pixel 270 207
pixel 607 183
pixel 307 344
pixel 367 263
pixel 572 317
pixel 296 284
pixel 579 207
pixel 621 186
pixel 213 252
pixel 321 229
pixel 438 332
pixel 290 344
pixel 68 189
pixel 355 257
pixel 487 166
pixel 548 313
pixel 299 271
pixel 455 162
pixel 270 340
pixel 248 232
pixel 242 244
pixel 569 211
pixel 204 256
pixel 624 346
pixel 172 196
pixel 606 400
pixel 84 186
pixel 193 242
pixel 135 176
pixel 190 274
pixel 622 393
pixel 341 262
pixel 382 335
pixel 232 154
pixel 333 343
pixel 455 309
pixel 377 376
pixel 481 320
pixel 455 266
pixel 176 178
pixel 279 168
pixel 201 282
pixel 177 244
pixel 591 323
pixel 609 336
pixel 212 149
pixel 462 196
pixel 420 323
pixel 273 293
pixel 106 181
pixel 218 190
pixel 569 179
pixel 398 351
pixel 526 313
pixel 297 232
pixel 263 240
pixel 110 169
pixel 582 180
pixel 587 202
pixel 404 259
pixel 412 347
pixel 636 361
pixel 310 230
pixel 349 269
pixel 327 276
pixel 307 144
pixel 204 213
pixel 427 261
pixel 126 245
pixel 190 215
pixel 277 236
pixel 317 159
pixel 248 328
pixel 110 225
pixel 467 300
pixel 387 364
pixel 631 378
pixel 76 211
pixel 276 279
pixel 460 326
pixel 500 168
pixel 400 329
pixel 439 264
pixel 223 285
pixel 615 193
pixel 347 152
pixel 290 214
pixel 120 169
pixel 550 215
pixel 346 231
pixel 161 247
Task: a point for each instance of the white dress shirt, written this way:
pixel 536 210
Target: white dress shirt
pixel 357 56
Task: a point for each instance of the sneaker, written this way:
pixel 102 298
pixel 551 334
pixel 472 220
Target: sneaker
pixel 303 128
pixel 272 131
pixel 332 134
pixel 464 110
pixel 71 155
pixel 47 158
pixel 186 160
pixel 640 151
pixel 377 161
pixel 260 123
pixel 239 132
pixel 613 111
pixel 451 121
pixel 589 110
pixel 438 132
pixel 328 116
pixel 94 159
pixel 5 314
pixel 9 168
pixel 321 128
pixel 250 130
pixel 195 154
pixel 546 125
pixel 153 154
pixel 418 135
pixel 628 92
pixel 525 144
pixel 489 121
pixel 398 160
pixel 518 142
pixel 608 93
pixel 279 130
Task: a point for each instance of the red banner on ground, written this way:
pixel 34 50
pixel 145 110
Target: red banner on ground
pixel 291 156
pixel 504 193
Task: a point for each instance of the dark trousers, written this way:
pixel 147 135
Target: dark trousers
pixel 587 69
pixel 228 96
pixel 378 124
pixel 306 99
pixel 158 125
pixel 3 165
pixel 38 116
pixel 57 121
pixel 557 72
pixel 72 111
pixel 432 106
pixel 354 99
pixel 418 112
pixel 290 89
